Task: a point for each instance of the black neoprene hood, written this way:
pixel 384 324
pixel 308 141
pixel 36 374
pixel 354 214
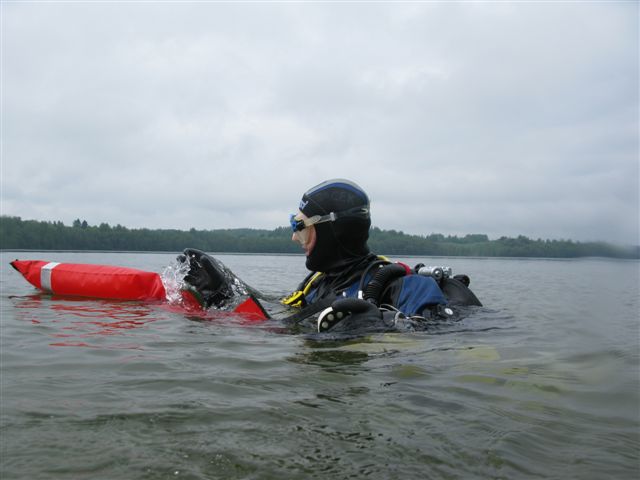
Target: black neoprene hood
pixel 336 196
pixel 341 241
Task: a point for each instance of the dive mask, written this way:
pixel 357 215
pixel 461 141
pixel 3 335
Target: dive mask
pixel 298 224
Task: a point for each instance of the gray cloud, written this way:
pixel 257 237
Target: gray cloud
pixel 505 119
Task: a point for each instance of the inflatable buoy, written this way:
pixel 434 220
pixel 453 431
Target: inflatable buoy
pixel 84 280
pixel 121 283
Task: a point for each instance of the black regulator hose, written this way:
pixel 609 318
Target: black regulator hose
pixel 363 277
pixel 373 292
pixel 354 305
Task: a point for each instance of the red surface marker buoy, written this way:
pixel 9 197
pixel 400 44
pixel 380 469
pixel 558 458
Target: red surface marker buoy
pixel 85 280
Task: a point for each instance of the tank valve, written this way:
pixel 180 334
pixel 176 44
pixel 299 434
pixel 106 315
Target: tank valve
pixel 438 273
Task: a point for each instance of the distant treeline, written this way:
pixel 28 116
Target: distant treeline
pixel 16 233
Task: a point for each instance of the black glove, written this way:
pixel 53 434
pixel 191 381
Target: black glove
pixel 206 277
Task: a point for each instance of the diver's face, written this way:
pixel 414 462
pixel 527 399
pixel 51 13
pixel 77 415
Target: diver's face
pixel 305 237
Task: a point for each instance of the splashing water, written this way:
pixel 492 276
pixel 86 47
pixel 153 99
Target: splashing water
pixel 173 280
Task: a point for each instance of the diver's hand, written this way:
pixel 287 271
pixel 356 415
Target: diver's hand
pixel 206 277
pixel 204 270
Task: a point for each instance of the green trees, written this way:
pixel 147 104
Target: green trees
pixel 16 233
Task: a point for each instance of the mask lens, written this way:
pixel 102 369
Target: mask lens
pixel 297 225
pixel 301 236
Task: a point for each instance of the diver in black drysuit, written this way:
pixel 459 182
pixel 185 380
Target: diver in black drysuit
pixel 349 287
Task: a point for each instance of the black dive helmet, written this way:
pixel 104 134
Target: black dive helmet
pixel 343 240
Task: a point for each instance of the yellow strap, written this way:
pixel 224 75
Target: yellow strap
pixel 296 299
pixel 307 287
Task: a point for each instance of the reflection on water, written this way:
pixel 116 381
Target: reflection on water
pixel 330 357
pixel 77 320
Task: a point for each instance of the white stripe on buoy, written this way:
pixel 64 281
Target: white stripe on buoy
pixel 45 275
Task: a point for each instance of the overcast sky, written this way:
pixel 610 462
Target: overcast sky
pixel 474 117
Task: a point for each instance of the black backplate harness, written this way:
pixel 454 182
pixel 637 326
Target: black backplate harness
pixel 372 292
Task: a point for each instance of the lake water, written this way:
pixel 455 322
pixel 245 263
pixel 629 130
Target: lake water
pixel 541 382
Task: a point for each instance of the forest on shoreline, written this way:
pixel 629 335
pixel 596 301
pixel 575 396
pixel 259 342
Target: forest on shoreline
pixel 18 234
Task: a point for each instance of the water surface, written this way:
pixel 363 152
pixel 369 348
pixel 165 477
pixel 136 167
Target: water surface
pixel 542 382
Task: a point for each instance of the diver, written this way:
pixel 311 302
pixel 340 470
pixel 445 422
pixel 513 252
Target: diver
pixel 348 286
